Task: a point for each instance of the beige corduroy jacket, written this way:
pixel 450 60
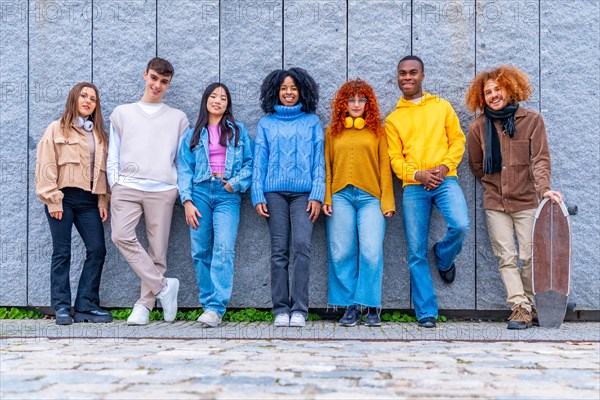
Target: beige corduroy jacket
pixel 63 160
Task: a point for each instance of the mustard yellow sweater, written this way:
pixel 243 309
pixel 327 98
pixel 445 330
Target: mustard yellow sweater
pixel 422 136
pixel 359 158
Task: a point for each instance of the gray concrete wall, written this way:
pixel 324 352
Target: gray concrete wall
pixel 47 46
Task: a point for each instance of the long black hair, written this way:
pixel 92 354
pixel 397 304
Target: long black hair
pixel 226 131
pixel 307 87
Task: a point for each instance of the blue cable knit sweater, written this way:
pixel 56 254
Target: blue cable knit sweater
pixel 288 155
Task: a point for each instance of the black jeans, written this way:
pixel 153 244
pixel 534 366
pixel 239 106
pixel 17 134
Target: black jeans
pixel 80 207
pixel 288 216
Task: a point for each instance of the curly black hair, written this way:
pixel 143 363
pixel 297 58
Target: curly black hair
pixel 308 88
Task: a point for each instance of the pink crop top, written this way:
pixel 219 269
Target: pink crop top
pixel 215 150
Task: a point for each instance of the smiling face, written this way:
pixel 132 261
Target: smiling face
pixel 86 103
pixel 356 106
pixel 156 85
pixel 289 95
pixel 495 96
pixel 217 102
pixel 410 78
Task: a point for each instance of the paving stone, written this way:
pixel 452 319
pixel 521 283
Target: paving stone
pixel 34 384
pixel 387 369
pixel 55 391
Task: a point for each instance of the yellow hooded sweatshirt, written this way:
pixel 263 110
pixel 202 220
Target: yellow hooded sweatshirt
pixel 422 136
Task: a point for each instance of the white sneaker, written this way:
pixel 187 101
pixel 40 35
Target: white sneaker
pixel 168 299
pixel 209 319
pixel 139 316
pixel 297 320
pixel 282 320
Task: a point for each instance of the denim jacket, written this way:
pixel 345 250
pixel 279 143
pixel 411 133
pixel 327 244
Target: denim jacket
pixel 193 165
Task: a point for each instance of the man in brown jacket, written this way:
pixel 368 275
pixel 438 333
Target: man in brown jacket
pixel 508 151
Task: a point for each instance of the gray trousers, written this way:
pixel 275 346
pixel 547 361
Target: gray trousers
pixel 288 215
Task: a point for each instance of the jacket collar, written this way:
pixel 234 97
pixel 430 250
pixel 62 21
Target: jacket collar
pixel 521 112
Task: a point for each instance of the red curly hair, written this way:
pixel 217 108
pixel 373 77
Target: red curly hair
pixel 511 79
pixel 339 107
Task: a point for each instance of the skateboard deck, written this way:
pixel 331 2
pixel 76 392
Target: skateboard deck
pixel 551 262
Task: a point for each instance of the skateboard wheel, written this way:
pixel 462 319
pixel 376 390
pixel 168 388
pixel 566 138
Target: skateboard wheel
pixel 572 209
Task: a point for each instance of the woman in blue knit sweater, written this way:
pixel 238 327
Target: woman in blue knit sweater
pixel 288 184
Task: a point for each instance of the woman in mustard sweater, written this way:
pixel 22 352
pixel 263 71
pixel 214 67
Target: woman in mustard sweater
pixel 358 195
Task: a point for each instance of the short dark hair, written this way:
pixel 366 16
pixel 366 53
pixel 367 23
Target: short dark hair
pixel 412 58
pixel 161 66
pixel 307 87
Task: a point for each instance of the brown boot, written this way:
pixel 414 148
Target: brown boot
pixel 534 317
pixel 519 319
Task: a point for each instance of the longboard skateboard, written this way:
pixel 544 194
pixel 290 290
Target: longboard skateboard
pixel 551 262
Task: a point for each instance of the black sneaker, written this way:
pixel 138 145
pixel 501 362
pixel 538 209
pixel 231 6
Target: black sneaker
pixel 351 316
pixel 63 316
pixel 94 316
pixel 449 275
pixel 427 322
pixel 372 318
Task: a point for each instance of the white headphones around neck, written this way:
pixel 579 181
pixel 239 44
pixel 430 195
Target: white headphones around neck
pixel 86 124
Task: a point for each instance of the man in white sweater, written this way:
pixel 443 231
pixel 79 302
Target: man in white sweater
pixel 142 152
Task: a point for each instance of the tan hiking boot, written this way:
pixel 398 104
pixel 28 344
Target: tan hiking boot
pixel 534 316
pixel 519 319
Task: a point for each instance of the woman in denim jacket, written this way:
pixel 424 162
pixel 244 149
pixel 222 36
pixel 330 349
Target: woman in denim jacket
pixel 214 166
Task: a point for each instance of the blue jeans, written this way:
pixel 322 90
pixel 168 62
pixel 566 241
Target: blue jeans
pixel 355 234
pixel 80 208
pixel 288 217
pixel 416 209
pixel 213 243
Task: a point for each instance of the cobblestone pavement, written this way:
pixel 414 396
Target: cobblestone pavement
pixel 181 360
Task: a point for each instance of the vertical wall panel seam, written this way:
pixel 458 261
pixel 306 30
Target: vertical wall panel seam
pixel 28 159
pixel 1 208
pixel 474 178
pixel 411 26
pixel 282 34
pixel 540 55
pixel 92 55
pixel 220 49
pixel 347 37
pixel 410 302
pixel 156 28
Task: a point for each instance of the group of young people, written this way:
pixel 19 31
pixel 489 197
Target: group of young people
pixel 294 172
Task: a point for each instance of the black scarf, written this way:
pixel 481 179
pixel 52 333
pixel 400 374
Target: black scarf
pixel 492 162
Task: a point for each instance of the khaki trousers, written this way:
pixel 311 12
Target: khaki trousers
pixel 127 206
pixel 502 228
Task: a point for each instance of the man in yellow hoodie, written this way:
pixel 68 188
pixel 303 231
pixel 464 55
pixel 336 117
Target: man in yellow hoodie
pixel 426 144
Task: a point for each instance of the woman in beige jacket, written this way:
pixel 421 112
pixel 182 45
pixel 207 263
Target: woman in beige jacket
pixel 71 182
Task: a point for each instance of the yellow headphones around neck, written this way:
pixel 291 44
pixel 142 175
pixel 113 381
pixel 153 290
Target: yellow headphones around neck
pixel 357 123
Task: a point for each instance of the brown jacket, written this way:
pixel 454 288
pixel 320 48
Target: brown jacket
pixel 525 174
pixel 65 162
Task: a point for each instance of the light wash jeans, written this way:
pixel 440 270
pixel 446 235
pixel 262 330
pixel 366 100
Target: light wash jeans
pixel 416 209
pixel 355 234
pixel 213 243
